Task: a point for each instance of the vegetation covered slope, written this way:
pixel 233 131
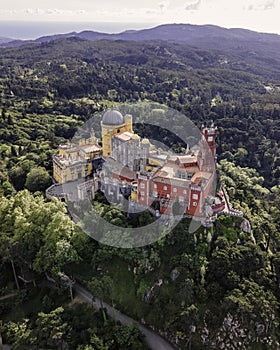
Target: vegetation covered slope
pixel 73 77
pixel 218 285
pixel 255 48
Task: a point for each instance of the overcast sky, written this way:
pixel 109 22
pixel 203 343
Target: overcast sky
pixel 260 15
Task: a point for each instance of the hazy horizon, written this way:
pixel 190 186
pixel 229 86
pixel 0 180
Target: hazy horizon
pixel 28 30
pixel 34 29
pixel 256 15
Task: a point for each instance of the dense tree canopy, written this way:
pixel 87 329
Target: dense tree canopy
pixel 204 289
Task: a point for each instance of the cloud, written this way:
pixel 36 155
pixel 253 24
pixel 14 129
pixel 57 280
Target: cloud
pixel 269 5
pixel 193 6
pixel 150 11
pixel 42 12
pixel 262 6
pixel 163 5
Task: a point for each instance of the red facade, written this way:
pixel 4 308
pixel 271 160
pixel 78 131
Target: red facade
pixel 186 180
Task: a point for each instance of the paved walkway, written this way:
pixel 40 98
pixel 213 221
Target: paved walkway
pixel 8 296
pixel 228 208
pixel 155 341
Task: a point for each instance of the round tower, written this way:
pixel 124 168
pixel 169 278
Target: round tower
pixel 111 124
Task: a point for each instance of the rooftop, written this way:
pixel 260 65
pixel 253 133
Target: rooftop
pixel 170 173
pixel 69 160
pixel 90 148
pixel 124 136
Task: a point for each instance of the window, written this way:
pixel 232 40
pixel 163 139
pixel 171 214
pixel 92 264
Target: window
pixel 189 176
pixel 155 185
pixel 184 192
pixel 142 193
pixel 142 185
pixel 195 196
pixel 194 204
pixel 181 199
pixel 210 138
pixel 155 194
pixel 175 189
pixel 165 188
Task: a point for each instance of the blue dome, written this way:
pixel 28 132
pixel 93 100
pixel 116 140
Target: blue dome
pixel 112 117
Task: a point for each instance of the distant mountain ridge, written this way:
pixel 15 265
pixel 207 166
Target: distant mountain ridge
pixel 4 40
pixel 209 36
pixel 238 48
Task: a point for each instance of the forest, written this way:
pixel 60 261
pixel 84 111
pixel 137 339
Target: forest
pixel 220 286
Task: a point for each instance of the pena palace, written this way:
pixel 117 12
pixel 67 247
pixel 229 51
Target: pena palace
pixel 127 167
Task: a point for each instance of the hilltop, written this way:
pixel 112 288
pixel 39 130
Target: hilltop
pixel 197 35
pixel 235 48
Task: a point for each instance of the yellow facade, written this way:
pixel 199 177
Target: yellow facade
pixel 152 164
pixel 108 131
pixel 65 173
pixel 128 122
pixel 134 196
pixel 75 162
pixel 134 191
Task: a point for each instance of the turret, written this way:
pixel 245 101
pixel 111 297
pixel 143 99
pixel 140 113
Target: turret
pixel 207 150
pixel 210 134
pixel 128 122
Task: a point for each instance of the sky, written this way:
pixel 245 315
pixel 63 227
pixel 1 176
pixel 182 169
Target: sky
pixel 258 15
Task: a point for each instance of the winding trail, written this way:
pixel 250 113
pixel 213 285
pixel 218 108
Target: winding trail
pixel 8 296
pixel 155 341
